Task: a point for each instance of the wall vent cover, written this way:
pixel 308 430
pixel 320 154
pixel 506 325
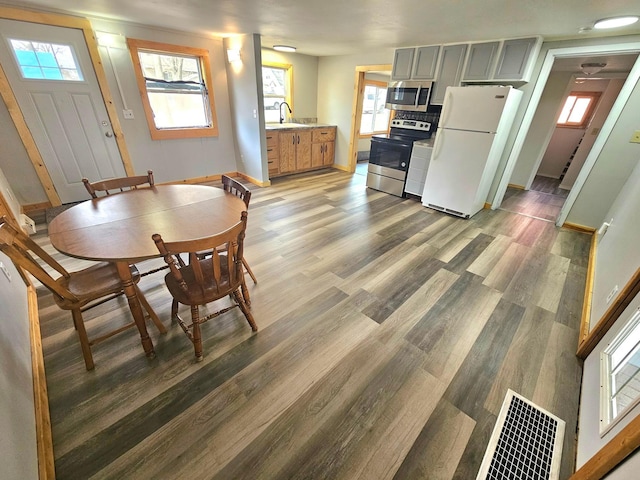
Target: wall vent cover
pixel 526 443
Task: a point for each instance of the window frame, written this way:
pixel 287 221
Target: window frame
pixel 375 83
pixel 288 68
pixel 135 46
pixel 586 119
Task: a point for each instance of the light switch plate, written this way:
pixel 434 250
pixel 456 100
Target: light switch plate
pixel 635 138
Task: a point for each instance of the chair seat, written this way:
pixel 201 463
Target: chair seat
pixel 93 282
pixel 195 293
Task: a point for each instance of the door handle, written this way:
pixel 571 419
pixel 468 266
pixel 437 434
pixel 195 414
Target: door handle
pixel 109 134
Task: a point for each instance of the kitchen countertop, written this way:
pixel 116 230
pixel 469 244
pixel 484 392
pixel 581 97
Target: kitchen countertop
pixel 291 126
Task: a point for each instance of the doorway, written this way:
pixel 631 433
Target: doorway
pixel 544 190
pixel 534 102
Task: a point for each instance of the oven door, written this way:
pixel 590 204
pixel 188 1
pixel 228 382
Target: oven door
pixel 394 154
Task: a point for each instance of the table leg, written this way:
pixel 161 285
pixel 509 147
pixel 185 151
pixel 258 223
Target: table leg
pixel 136 309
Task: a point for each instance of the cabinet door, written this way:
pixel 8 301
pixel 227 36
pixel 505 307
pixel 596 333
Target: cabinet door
pixel 426 62
pixel 329 151
pixel 402 63
pixel 303 149
pixel 317 152
pixel 480 62
pixel 287 152
pixel 451 63
pixel 515 58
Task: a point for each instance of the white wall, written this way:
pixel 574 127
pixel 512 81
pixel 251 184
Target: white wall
pixel 618 257
pixel 336 83
pixel 17 410
pixel 563 143
pixel 245 81
pixel 607 99
pixel 305 80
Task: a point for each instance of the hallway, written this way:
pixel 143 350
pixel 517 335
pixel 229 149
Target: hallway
pixel 543 201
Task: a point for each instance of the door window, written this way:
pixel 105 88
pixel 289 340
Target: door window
pixel 45 61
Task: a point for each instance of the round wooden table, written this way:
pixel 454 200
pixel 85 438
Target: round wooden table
pixel 118 228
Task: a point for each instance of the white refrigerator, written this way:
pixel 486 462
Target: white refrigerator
pixel 472 132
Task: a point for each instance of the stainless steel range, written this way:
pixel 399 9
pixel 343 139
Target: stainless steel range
pixel 390 153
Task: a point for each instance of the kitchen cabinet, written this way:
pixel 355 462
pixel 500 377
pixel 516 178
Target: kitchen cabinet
pixel 323 146
pixel 273 153
pixel 480 61
pixel 415 63
pixel 402 64
pixel 450 71
pixel 516 59
pixel 295 150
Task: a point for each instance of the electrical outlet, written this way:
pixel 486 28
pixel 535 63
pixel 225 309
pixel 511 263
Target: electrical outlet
pixel 128 114
pixel 611 294
pixel 635 138
pixel 5 271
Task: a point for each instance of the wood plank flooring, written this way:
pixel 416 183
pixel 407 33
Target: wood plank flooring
pixel 388 336
pixel 544 200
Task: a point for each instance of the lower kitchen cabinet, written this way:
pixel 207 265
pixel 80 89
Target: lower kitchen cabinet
pixel 300 149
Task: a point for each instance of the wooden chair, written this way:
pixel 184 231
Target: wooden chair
pixel 204 280
pixel 76 291
pixel 117 185
pixel 239 190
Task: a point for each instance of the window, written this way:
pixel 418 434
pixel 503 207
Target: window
pixel 375 117
pixel 276 89
pixel 578 109
pixel 46 61
pixel 620 374
pixel 176 89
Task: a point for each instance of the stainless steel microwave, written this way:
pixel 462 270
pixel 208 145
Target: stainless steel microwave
pixel 410 96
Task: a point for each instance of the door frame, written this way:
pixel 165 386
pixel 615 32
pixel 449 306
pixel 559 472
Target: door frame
pixel 9 98
pixel 356 116
pixel 596 149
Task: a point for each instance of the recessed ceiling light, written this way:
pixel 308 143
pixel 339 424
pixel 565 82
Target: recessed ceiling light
pixel 284 48
pixel 615 22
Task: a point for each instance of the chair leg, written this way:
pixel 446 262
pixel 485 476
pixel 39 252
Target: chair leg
pixel 83 337
pixel 197 335
pixel 249 271
pixel 245 293
pixel 174 311
pixel 152 314
pixel 245 309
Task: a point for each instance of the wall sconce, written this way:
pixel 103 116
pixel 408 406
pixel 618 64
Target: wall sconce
pixel 113 40
pixel 233 55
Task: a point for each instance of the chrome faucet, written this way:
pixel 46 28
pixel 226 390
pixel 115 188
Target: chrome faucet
pixel 281 115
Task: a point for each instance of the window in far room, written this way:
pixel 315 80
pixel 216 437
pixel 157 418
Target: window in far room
pixel 276 89
pixel 578 109
pixel 375 117
pixel 176 89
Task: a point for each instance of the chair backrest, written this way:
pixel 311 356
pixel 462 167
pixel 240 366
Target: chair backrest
pixel 24 252
pixel 222 270
pixel 117 185
pixel 239 190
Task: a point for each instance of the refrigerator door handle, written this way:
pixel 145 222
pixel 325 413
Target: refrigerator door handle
pixel 438 145
pixel 449 102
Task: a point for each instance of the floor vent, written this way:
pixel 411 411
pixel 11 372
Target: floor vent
pixel 526 443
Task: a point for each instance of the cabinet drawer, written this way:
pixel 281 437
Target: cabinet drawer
pixel 323 135
pixel 272 140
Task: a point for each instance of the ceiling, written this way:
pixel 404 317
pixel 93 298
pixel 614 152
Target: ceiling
pixel 341 27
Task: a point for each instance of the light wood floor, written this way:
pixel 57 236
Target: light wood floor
pixel 544 200
pixel 389 334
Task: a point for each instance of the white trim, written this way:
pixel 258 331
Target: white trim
pixel 541 82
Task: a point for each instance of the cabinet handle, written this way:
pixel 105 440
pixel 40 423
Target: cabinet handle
pixel 323 133
pixel 269 149
pixel 298 139
pixel 293 139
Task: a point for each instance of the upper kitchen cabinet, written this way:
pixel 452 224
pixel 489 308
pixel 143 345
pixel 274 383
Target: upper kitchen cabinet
pixel 402 64
pixel 481 61
pixel 415 63
pixel 517 58
pixel 450 71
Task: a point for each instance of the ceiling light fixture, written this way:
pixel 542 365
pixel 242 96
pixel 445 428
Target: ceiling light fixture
pixel 615 22
pixel 592 68
pixel 284 48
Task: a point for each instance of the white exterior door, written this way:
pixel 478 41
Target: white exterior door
pixel 53 80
